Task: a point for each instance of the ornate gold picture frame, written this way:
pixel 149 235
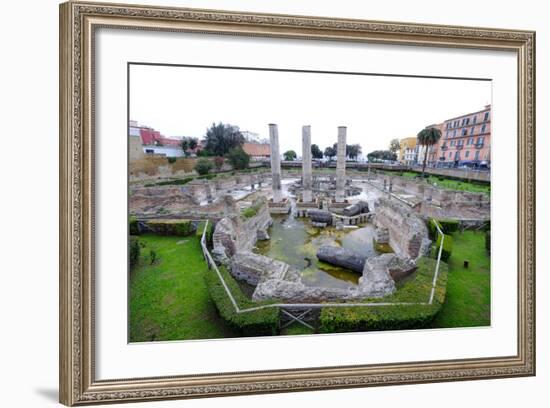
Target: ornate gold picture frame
pixel 78 24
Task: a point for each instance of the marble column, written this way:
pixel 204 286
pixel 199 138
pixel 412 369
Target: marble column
pixel 306 164
pixel 341 165
pixel 275 163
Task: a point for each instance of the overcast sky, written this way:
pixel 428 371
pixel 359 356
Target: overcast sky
pixel 182 101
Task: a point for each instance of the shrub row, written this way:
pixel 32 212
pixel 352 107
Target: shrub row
pixel 488 241
pixel 447 226
pixel 176 182
pixel 263 322
pixel 180 228
pixel 209 231
pixel 134 252
pixel 447 247
pixel 398 317
pixel 133 226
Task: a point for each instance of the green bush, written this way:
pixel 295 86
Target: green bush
pixel 203 166
pixel 238 158
pixel 263 322
pixel 209 231
pixel 488 241
pixel 172 160
pixel 180 228
pixel 432 229
pixel 134 252
pixel 170 182
pixel 398 317
pixel 134 227
pixel 448 226
pixel 252 211
pixel 447 247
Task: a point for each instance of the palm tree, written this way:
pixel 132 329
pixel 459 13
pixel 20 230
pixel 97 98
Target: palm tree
pixel 427 137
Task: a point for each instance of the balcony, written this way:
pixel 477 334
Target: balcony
pixel 479 145
pixel 459 147
pixel 444 147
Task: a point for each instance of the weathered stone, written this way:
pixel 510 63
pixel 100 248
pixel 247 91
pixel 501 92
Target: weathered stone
pixel 234 234
pixel 376 280
pixel 382 236
pixel 341 165
pixel 306 164
pixel 341 257
pixel 320 216
pixel 252 268
pixel 262 235
pixel 356 209
pixel 275 163
pixel 408 234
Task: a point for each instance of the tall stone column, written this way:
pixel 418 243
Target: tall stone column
pixel 275 163
pixel 306 164
pixel 341 165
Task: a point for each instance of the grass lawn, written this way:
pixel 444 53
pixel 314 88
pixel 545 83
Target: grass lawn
pixel 453 184
pixel 169 299
pixel 468 299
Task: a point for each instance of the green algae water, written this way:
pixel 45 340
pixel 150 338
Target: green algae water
pixel 295 242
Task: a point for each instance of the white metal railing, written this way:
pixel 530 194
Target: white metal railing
pixel 212 264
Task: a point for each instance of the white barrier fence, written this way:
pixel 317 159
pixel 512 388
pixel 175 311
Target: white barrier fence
pixel 212 264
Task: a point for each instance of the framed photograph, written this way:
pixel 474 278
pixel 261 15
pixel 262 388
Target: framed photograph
pixel 255 203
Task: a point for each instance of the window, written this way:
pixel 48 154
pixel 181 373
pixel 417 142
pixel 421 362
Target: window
pixel 464 132
pixel 475 119
pixel 467 154
pixel 483 128
pixel 476 156
pixel 472 130
pixel 457 155
pixel 452 142
pixel 471 141
pixel 447 134
pixel 450 155
pixel 454 133
pixel 486 117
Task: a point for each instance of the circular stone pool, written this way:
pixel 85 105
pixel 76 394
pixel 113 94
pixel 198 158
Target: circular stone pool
pixel 295 242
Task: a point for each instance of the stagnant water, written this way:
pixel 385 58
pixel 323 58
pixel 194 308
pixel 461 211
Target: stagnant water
pixel 295 242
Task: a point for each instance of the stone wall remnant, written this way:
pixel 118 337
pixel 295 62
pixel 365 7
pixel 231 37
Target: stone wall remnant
pixel 341 257
pixel 408 234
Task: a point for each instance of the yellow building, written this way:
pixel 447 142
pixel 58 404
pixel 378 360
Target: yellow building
pixel 407 150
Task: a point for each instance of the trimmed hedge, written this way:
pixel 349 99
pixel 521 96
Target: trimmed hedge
pixel 180 228
pixel 263 322
pixel 448 226
pixel 447 247
pixel 176 182
pixel 134 252
pixel 432 229
pixel 209 231
pixel 133 226
pixel 398 317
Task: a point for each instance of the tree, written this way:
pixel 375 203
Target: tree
pixel 380 155
pixel 394 146
pixel 316 153
pixel 221 138
pixel 353 151
pixel 330 152
pixel 427 137
pixel 203 166
pixel 289 155
pixel 238 158
pixel 189 143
